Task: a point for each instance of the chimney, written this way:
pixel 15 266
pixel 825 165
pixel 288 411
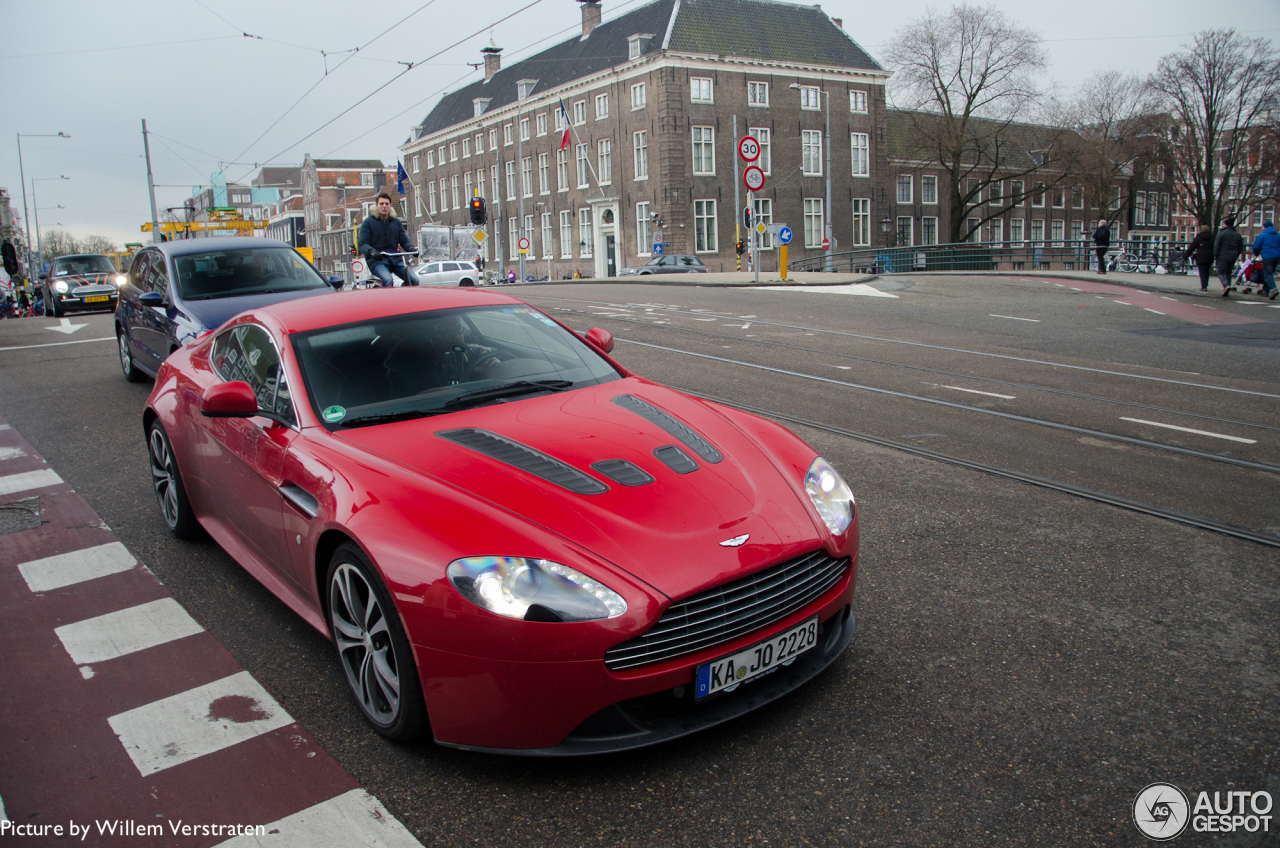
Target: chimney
pixel 838 22
pixel 590 16
pixel 492 59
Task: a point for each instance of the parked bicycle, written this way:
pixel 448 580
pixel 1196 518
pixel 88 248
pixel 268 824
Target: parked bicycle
pixel 1118 260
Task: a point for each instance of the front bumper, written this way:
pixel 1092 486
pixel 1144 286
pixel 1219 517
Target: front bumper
pixel 559 709
pixel 71 302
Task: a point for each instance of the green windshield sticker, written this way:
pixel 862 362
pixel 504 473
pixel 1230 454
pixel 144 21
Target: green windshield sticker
pixel 334 414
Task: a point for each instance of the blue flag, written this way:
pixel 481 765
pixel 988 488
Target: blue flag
pixel 401 176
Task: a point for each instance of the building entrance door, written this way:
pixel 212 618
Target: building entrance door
pixel 611 256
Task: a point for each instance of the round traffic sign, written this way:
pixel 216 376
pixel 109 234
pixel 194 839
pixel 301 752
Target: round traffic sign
pixel 357 267
pixel 826 244
pixel 524 244
pixel 784 235
pixel 749 148
pixel 753 177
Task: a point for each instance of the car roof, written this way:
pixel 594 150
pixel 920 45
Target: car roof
pixel 349 307
pixel 81 256
pixel 183 247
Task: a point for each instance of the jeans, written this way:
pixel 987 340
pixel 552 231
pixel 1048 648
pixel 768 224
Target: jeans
pixel 1269 273
pixel 1204 274
pixel 382 270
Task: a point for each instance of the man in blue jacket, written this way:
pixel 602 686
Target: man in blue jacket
pixel 1267 245
pixel 383 233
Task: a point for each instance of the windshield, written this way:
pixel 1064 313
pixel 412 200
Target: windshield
pixel 78 265
pixel 432 363
pixel 231 273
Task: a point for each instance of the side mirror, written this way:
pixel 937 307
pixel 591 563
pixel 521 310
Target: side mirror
pixel 336 281
pixel 43 275
pixel 229 400
pixel 601 338
pixel 151 298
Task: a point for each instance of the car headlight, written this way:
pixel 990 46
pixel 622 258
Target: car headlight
pixel 60 286
pixel 121 279
pixel 831 495
pixel 533 589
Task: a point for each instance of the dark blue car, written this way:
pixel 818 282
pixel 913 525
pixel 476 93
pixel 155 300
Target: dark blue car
pixel 178 290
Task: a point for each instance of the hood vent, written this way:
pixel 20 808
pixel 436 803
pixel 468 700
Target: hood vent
pixel 526 459
pixel 676 459
pixel 621 471
pixel 658 418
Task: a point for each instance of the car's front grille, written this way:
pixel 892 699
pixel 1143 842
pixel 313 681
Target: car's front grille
pixel 726 612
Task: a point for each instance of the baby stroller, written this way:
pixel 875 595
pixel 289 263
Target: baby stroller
pixel 1251 275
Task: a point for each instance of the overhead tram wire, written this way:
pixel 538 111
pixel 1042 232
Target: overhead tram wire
pixel 352 54
pixel 122 47
pixel 445 88
pixel 413 65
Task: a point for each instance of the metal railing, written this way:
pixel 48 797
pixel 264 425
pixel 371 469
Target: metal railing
pixel 1142 256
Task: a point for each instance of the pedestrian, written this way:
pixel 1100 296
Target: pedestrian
pixel 1267 245
pixel 1101 244
pixel 1226 250
pixel 1201 248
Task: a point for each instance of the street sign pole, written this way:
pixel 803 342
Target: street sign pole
pixel 737 235
pixel 755 239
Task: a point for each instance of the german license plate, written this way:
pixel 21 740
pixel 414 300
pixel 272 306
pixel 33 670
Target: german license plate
pixel 97 299
pixel 728 673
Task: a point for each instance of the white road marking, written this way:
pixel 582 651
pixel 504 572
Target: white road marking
pixel 65 326
pixel 11 453
pixel 1189 430
pixel 1012 318
pixel 713 320
pixel 1073 288
pixel 1174 299
pixel 5 427
pixel 59 344
pixel 861 289
pixel 119 633
pixel 746 326
pixel 841 367
pixel 1121 302
pixel 976 392
pixel 76 567
pixel 28 480
pixel 1153 311
pixel 197 722
pixel 353 818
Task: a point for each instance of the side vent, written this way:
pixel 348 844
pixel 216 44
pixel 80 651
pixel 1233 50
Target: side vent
pixel 657 417
pixel 526 459
pixel 621 471
pixel 676 459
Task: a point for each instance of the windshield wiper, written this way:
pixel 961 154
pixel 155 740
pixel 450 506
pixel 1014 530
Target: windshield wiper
pixel 388 417
pixel 520 387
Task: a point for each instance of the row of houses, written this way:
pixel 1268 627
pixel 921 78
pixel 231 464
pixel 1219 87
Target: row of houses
pixel 621 142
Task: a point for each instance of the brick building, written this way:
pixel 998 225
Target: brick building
pixel 652 97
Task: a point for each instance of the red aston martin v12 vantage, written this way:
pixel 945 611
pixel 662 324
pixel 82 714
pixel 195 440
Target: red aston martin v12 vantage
pixel 514 542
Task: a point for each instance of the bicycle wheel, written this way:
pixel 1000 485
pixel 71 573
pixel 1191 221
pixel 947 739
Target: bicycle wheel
pixel 1126 263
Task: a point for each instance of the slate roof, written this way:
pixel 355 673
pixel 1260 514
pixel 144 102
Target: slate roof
pixel 759 29
pixel 1017 140
pixel 342 164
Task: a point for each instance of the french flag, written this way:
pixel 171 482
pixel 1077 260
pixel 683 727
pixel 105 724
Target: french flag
pixel 564 118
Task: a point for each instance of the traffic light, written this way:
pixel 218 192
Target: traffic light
pixel 741 247
pixel 479 216
pixel 746 217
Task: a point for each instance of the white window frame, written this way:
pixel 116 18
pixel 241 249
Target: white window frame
pixel 513 231
pixel 705 138
pixel 762 213
pixel 861 236
pixel 453 156
pixel 1018 191
pixel 814 224
pixel 581 158
pixel 431 159
pixel 860 154
pixel 453 190
pixel 431 197
pixel 604 161
pixel 566 234
pixel 910 183
pixel 479 143
pixel 526 177
pixel 466 148
pixel 811 153
pixel 524 129
pixel 925 236
pixel 540 124
pixel 857 100
pixel 995 193
pixel 705 227
pixel 644 230
pixel 639 97
pixel 579 112
pixel 1017 231
pixel 544 173
pixel 602 106
pixel 927 180
pixel 764 136
pixel 586 238
pixel 510 168
pixel 640 154
pixel 562 170
pixel 757 93
pixel 811 98
pixel 508 137
pixel 547 247
pixel 701 90
pixel 415 163
pixel 910 230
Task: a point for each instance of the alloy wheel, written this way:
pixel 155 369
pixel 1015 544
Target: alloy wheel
pixel 126 358
pixel 162 475
pixel 364 644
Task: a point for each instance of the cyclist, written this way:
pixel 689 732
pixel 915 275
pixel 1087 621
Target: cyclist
pixel 383 233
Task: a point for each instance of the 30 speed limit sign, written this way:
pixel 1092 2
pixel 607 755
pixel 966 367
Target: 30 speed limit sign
pixel 749 148
pixel 753 178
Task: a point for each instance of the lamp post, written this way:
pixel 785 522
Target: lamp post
pixel 827 260
pixel 36 204
pixel 23 177
pixel 885 224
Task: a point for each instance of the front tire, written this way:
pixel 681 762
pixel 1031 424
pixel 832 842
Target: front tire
pixel 131 371
pixel 167 482
pixel 372 648
pixel 51 309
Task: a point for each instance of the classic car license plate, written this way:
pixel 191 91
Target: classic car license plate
pixel 97 299
pixel 727 673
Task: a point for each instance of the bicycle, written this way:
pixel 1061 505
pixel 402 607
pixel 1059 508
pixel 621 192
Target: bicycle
pixel 373 282
pixel 1121 261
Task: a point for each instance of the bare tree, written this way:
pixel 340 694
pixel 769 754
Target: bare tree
pixel 55 243
pixel 1220 93
pixel 97 244
pixel 1116 136
pixel 968 80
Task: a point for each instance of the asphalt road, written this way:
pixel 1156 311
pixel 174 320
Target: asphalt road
pixel 1026 660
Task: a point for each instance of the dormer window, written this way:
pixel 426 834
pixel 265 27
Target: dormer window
pixel 637 44
pixel 525 87
pixel 479 105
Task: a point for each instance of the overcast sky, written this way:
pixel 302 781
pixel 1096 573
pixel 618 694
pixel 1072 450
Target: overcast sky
pixel 209 94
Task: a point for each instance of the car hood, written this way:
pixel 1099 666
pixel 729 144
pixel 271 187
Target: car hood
pixel 213 313
pixel 669 532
